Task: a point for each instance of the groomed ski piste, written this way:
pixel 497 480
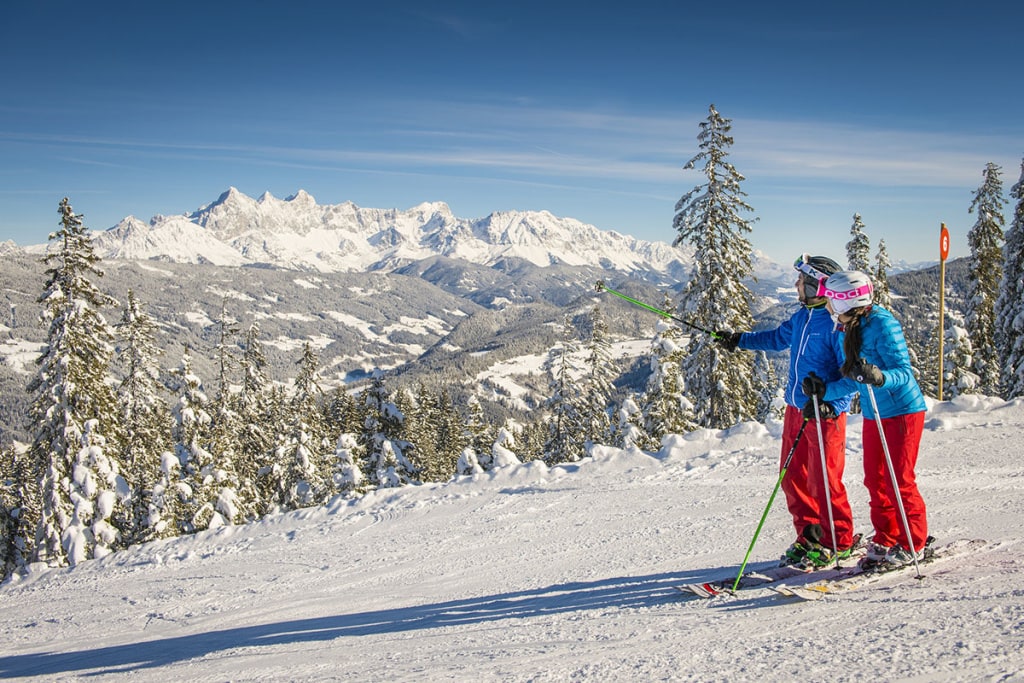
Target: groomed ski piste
pixel 565 573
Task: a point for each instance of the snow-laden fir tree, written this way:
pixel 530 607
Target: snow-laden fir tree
pixel 225 444
pixel 664 404
pixel 986 273
pixel 71 387
pixel 258 413
pixel 387 463
pixel 597 383
pixel 1009 308
pixel 301 466
pixel 145 419
pixel 858 249
pixel 709 218
pixel 565 424
pixel 17 490
pixel 479 433
pixel 438 431
pixel 958 352
pixel 347 477
pixel 192 434
pixel 880 277
pixel 97 491
pixel 502 454
pixel 771 401
pixel 629 431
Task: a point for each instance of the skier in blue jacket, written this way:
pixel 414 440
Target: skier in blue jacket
pixel 814 346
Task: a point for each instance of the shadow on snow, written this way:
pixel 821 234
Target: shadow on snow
pixel 614 593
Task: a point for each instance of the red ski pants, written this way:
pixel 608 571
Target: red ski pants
pixel 903 437
pixel 804 483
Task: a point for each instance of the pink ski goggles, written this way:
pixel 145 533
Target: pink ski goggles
pixel 863 290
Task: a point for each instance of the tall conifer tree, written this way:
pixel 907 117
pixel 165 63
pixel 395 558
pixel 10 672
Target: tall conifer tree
pixel 145 417
pixel 709 218
pixel 565 425
pixel 986 273
pixel 1009 309
pixel 71 387
pixel 880 276
pixel 597 384
pixel 858 249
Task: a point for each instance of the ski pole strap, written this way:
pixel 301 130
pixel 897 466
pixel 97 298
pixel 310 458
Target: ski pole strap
pixel 602 287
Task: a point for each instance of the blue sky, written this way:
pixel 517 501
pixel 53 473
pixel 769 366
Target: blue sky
pixel 890 110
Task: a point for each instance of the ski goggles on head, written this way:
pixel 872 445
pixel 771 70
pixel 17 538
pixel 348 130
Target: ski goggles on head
pixel 863 290
pixel 803 264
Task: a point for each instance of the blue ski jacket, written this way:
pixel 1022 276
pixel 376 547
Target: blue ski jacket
pixel 814 346
pixel 883 344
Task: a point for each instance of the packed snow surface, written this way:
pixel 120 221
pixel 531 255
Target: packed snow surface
pixel 565 573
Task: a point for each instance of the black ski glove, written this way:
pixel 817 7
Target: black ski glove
pixel 867 373
pixel 814 386
pixel 728 340
pixel 825 409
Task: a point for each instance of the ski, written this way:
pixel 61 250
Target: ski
pixel 857 577
pixel 710 589
pixel 770 575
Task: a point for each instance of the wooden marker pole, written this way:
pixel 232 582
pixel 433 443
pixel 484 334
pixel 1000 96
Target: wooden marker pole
pixel 943 253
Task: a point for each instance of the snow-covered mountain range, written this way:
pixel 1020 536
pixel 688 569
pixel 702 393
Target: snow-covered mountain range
pixel 297 233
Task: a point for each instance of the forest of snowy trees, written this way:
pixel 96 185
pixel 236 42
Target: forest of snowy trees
pixel 163 452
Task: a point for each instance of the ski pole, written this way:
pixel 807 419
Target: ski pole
pixel 824 473
pixel 895 482
pixel 602 287
pixel 771 499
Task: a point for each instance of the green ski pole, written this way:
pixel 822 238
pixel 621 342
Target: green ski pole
pixel 602 287
pixel 778 484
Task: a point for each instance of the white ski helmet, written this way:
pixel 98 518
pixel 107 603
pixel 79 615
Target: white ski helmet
pixel 846 290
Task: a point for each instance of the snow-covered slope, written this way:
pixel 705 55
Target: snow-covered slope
pixel 533 573
pixel 299 233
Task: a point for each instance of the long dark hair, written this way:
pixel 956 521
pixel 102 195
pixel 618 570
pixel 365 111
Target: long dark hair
pixel 852 340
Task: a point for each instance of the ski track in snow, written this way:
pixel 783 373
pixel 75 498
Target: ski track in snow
pixel 533 573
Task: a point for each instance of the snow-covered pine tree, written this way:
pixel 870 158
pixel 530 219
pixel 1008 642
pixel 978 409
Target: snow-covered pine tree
pixel 304 470
pixel 501 452
pixel 225 430
pixel 145 418
pixel 348 475
pixel 565 425
pixel 665 407
pixel 530 440
pixel 858 249
pixel 17 490
pixel 629 431
pixel 928 377
pixel 97 491
pixel 422 425
pixel 986 273
pixel 71 387
pixel 192 435
pixel 478 432
pixel 957 376
pixel 880 277
pixel 771 403
pixel 386 461
pixel 597 383
pixel 1009 308
pixel 708 217
pixel 450 437
pixel 257 414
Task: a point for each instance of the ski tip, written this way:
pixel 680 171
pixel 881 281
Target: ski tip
pixel 704 590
